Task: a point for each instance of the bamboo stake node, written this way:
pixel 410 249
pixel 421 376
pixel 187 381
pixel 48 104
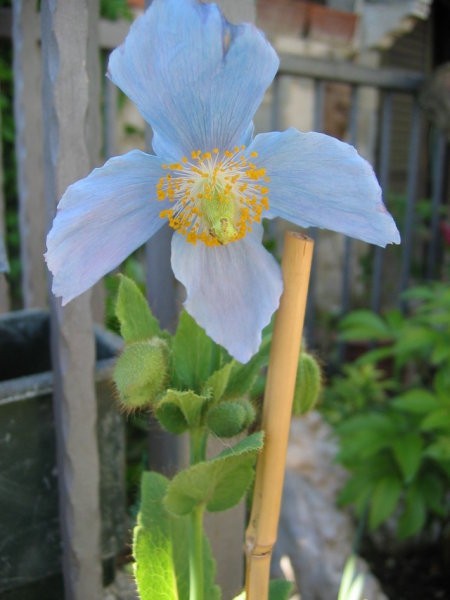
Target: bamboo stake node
pixel 286 341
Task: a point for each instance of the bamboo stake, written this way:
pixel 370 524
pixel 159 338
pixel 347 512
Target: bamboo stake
pixel 262 530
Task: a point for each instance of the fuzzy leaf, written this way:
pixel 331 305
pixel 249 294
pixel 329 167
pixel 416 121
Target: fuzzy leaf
pixel 195 355
pixel 189 404
pixel 243 377
pixel 133 312
pixel 217 383
pixel 152 545
pixel 219 483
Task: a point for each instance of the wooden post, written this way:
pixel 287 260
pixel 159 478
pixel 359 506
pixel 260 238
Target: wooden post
pixel 65 32
pixel 262 530
pixel 30 162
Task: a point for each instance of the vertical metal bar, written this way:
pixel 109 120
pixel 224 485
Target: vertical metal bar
pixel 411 195
pixel 275 120
pixel 4 291
pixel 319 100
pixel 30 178
pixel 110 118
pixel 346 267
pixel 437 190
pixel 65 30
pixel 384 161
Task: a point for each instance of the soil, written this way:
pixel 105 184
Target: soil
pixel 414 574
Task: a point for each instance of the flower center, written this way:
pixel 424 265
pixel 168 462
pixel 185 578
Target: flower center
pixel 215 196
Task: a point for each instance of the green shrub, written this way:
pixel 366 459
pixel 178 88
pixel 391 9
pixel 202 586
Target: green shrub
pixel 394 424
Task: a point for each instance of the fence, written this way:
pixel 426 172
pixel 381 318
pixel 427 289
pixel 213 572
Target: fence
pixel 60 141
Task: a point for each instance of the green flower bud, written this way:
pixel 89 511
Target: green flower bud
pixel 141 372
pixel 227 419
pixel 308 384
pixel 250 411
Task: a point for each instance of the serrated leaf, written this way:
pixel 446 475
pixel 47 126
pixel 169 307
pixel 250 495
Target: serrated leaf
pixel 384 499
pixel 217 484
pixel 152 546
pixel 195 356
pixel 408 451
pixel 417 401
pixel 413 517
pixel 133 312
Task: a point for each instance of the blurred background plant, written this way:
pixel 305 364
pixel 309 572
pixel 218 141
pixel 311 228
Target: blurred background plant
pixel 391 412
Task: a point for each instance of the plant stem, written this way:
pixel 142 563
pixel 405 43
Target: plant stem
pixel 196 576
pixel 198 438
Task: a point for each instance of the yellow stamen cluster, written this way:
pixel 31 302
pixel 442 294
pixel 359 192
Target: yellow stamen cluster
pixel 215 196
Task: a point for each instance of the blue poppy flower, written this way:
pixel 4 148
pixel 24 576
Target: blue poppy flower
pixel 198 80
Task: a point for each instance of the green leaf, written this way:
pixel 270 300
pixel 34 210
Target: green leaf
pixel 180 536
pixel 219 483
pixel 133 312
pixel 352 583
pixel 414 340
pixel 438 419
pixel 414 515
pixel 280 589
pixel 243 377
pixel 433 491
pixel 364 325
pixel 408 451
pixel 384 500
pixel 152 544
pixel 217 383
pixel 417 401
pixel 195 356
pixel 440 449
pixel 183 410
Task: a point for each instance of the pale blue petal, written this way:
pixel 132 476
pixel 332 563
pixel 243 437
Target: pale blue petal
pixel 195 78
pixel 101 220
pixel 232 290
pixel 316 180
